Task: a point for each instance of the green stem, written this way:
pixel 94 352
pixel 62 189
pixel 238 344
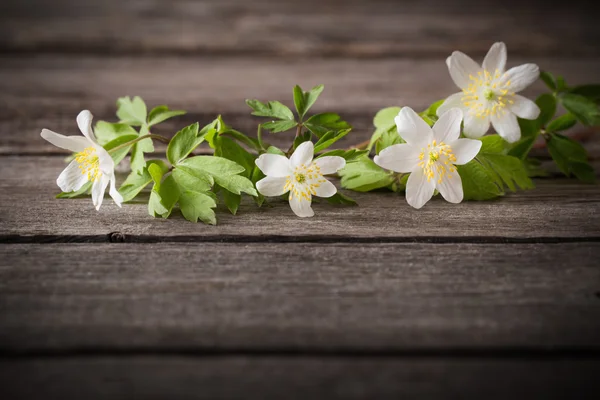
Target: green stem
pixel 149 136
pixel 259 137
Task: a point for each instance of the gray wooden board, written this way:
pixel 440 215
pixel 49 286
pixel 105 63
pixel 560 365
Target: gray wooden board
pixel 48 91
pixel 558 208
pixel 375 28
pixel 297 378
pixel 300 297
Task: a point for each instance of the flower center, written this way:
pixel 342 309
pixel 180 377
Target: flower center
pixel 487 95
pixel 437 160
pixel 304 181
pixel 89 163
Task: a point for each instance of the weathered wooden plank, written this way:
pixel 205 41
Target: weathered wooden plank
pixel 299 297
pixel 308 377
pixel 48 91
pixel 556 208
pixel 334 28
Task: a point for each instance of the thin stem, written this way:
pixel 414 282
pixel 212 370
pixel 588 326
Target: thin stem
pixel 259 138
pixel 299 129
pixel 361 145
pixel 149 136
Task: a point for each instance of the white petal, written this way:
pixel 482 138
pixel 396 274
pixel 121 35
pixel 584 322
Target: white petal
pixel 447 128
pixel 106 163
pixel 303 154
pixel 418 190
pixel 398 158
pixel 465 150
pixel 524 108
pixel 71 179
pixel 274 165
pixel 495 59
pixel 451 188
pixel 476 126
pixel 507 126
pixel 326 189
pixel 98 189
pixel 71 143
pixel 452 101
pixel 271 186
pixel 412 128
pixel 301 206
pixel 461 66
pixel 330 164
pixel 518 78
pixel 114 193
pixel 84 122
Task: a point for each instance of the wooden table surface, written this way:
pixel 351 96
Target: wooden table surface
pixel 478 300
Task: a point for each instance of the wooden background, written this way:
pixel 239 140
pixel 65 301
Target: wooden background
pixel 477 300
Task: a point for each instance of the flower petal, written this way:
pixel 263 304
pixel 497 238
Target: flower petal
pixel 98 189
pixel 271 186
pixel 507 126
pixel 412 128
pixel 303 154
pixel 495 59
pixel 452 101
pixel 326 189
pixel 274 165
pixel 476 126
pixel 398 157
pixel 84 122
pixel 106 162
pixel 524 108
pixel 418 189
pixel 330 164
pixel 301 206
pixel 71 179
pixel 114 193
pixel 461 66
pixel 71 143
pixel 451 188
pixel 518 78
pixel 447 128
pixel 465 150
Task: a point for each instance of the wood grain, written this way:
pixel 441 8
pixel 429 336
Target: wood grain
pixel 299 297
pixel 315 378
pixel 49 91
pixel 376 28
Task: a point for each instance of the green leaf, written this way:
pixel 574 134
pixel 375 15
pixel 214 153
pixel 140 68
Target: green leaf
pixel 385 118
pixel 364 175
pixel 492 144
pixel 224 172
pixel 304 137
pixel 561 85
pixel 279 126
pixel 231 150
pixel 275 150
pixel 549 80
pixel 510 170
pixel 131 112
pixel 584 109
pixel 591 92
pixel 193 179
pixel 118 155
pixel 478 183
pixel 547 104
pixel 169 194
pixel 83 191
pixel 330 138
pixel 320 124
pixel 106 131
pixel 162 113
pixel 196 206
pixel 348 155
pixel 431 111
pixel 562 123
pixel 534 169
pixel 155 206
pixel 272 109
pixel 240 137
pixel 183 143
pixel 522 148
pixel 304 100
pixel 388 139
pixel 232 201
pixel 137 152
pixel 570 157
pixel 135 183
pixel 341 199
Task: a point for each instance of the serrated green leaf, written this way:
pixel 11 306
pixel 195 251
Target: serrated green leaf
pixel 570 157
pixel 341 199
pixel 135 183
pixel 320 124
pixel 522 148
pixel 548 79
pixel 348 155
pixel 279 126
pixel 562 123
pixel 275 150
pixel 224 172
pixel 534 169
pixel 477 182
pixel 231 150
pixel 137 151
pixel 431 111
pixel 304 100
pixel 106 131
pixel 591 92
pixel 232 201
pixel 162 113
pixel 492 144
pixel 131 112
pixel 272 109
pixel 193 179
pixel 330 138
pixel 118 155
pixel 385 118
pixel 547 104
pixel 169 194
pixel 510 169
pixel 155 206
pixel 584 109
pixel 196 206
pixel 364 175
pixel 388 139
pixel 183 143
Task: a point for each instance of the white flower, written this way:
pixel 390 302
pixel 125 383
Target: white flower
pixel 489 93
pixel 91 163
pixel 430 155
pixel 299 175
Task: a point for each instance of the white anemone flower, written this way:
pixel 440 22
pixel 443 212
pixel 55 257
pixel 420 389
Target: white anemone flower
pixel 430 155
pixel 92 162
pixel 489 93
pixel 299 175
